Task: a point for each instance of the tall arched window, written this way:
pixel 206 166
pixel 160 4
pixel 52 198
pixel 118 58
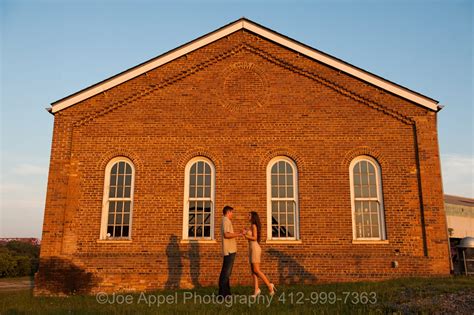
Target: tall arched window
pixel 367 201
pixel 282 199
pixel 198 212
pixel 118 199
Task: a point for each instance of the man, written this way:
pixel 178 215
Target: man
pixel 229 248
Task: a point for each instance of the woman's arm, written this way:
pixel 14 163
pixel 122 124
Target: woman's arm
pixel 254 233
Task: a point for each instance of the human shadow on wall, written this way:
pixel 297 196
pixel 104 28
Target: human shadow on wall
pixel 61 276
pixel 289 270
pixel 194 264
pixel 175 265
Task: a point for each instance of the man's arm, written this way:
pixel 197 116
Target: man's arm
pixel 231 235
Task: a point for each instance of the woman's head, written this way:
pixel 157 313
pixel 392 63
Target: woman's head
pixel 255 219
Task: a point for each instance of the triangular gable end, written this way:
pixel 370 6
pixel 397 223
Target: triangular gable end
pixel 246 24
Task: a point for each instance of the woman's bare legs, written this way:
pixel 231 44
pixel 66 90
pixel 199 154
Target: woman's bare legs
pixel 255 280
pixel 260 274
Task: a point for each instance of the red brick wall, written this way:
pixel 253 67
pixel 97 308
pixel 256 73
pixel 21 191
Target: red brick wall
pixel 241 101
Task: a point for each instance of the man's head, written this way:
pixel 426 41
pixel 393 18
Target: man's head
pixel 227 211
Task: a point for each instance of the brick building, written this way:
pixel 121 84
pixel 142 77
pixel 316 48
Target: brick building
pixel 342 166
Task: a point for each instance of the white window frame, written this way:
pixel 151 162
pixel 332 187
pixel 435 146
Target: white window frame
pixel 106 199
pixel 186 198
pixel 379 199
pixel 295 199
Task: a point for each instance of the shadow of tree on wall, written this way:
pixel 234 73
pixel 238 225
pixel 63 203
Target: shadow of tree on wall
pixel 60 275
pixel 175 265
pixel 289 270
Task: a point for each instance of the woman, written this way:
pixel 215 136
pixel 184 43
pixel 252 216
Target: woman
pixel 253 236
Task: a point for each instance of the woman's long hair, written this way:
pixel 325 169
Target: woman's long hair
pixel 255 219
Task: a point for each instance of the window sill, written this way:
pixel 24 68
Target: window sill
pixel 198 242
pixel 114 241
pixel 283 242
pixel 370 242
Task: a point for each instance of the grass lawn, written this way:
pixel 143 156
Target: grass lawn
pixel 413 295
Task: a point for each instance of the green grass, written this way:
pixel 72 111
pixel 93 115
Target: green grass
pixel 425 295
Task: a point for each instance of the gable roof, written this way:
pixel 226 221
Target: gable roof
pixel 258 29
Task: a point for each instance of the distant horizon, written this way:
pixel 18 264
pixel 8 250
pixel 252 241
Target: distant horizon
pixel 52 49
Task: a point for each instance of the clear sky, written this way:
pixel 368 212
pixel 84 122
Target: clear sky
pixel 50 49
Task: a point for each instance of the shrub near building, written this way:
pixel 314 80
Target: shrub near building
pixel 18 259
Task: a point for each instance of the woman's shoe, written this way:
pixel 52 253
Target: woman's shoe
pixel 256 294
pixel 273 290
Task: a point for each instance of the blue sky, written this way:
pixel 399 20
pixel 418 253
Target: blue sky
pixel 50 49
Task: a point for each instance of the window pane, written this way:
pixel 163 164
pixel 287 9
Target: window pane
pixel 112 192
pixel 119 206
pixel 365 191
pixel 290 218
pixel 121 167
pixel 119 192
pixel 274 219
pixel 207 219
pixel 274 192
pixel 200 179
pixel 281 167
pixel 114 169
pixel 356 179
pixel 126 206
pixel 363 167
pixel 207 231
pixel 117 231
pixel 207 169
pixel 192 180
pixel 357 191
pixel 373 191
pixel 199 192
pixel 192 218
pixel 371 168
pixel 128 169
pixel 282 180
pixel 367 231
pixel 192 191
pixel 207 192
pixel 274 180
pixel 275 168
pixel 200 168
pixel 193 169
pixel 289 169
pixel 113 180
pixel 125 231
pixel 208 180
pixel 282 218
pixel 128 180
pixel 118 219
pixel 111 206
pixel 289 192
pixel 291 231
pixel 127 192
pixel 126 218
pixel 110 230
pixel 275 231
pixel 191 231
pixel 207 206
pixel 375 231
pixel 365 179
pixel 111 218
pixel 199 231
pixel 282 192
pixel 289 180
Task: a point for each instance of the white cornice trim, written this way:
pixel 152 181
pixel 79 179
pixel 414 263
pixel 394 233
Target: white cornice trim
pixel 257 29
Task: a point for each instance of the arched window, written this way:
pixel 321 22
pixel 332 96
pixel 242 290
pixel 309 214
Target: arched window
pixel 198 212
pixel 367 201
pixel 282 199
pixel 118 199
